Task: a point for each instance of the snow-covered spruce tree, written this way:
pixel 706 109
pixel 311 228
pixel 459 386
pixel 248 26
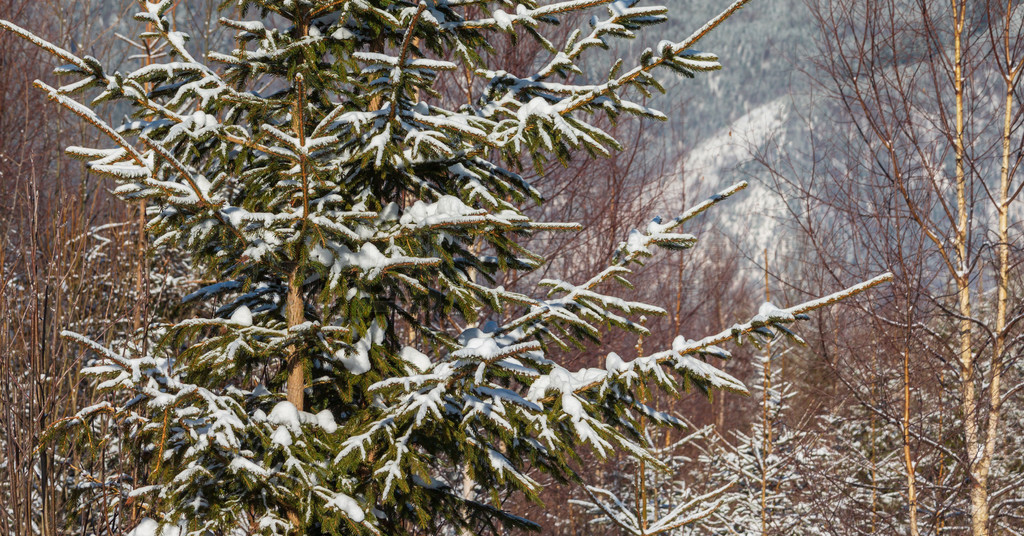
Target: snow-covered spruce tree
pixel 652 500
pixel 353 225
pixel 754 478
pixel 765 466
pixel 859 483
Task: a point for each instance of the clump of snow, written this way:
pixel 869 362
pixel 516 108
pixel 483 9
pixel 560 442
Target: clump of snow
pixel 203 184
pixel 320 254
pixel 354 362
pixel 245 464
pixel 572 405
pixel 614 363
pixel 286 414
pixel 768 311
pixel 199 120
pixel 326 421
pixel 161 400
pixel 636 242
pixel 503 20
pixel 417 359
pixel 147 527
pixel 562 381
pixel 290 421
pixel 538 106
pixel 357 361
pixel 390 212
pixel 486 342
pixel 151 527
pixel 445 209
pixel 484 347
pixel 347 505
pixel 368 257
pixel 342 33
pixel 242 316
pixel 282 437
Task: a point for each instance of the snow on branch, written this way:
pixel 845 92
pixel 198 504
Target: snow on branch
pixel 523 16
pixel 682 349
pixel 90 116
pixel 200 196
pixel 686 513
pixel 669 53
pixel 57 51
pixel 660 234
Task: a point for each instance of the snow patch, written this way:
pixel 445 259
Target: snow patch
pixel 242 316
pixel 326 421
pixel 348 505
pixel 357 361
pixel 286 414
pixel 417 359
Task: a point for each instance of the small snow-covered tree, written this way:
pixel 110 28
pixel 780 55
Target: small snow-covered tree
pixel 764 464
pixel 859 483
pixel 353 223
pixel 645 499
pixel 748 483
pixel 656 499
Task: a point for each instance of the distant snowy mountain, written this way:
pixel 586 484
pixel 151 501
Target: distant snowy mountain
pixel 724 159
pixel 761 95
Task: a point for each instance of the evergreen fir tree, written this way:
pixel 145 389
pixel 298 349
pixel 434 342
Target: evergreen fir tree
pixel 764 465
pixel 354 223
pixel 660 499
pixel 858 469
pixel 644 499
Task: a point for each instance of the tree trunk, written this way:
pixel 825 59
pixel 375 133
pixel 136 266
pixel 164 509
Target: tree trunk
pixel 907 457
pixel 294 309
pixel 979 507
pixel 296 365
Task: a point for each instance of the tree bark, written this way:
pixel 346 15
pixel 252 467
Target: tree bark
pixel 908 459
pixel 977 467
pixel 296 365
